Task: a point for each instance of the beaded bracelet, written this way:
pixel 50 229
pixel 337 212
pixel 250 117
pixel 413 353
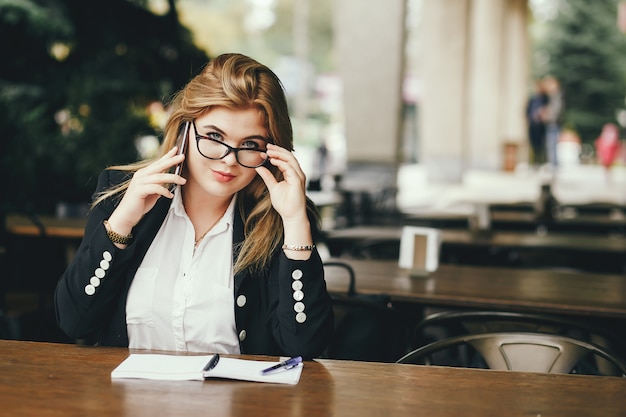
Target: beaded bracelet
pixel 298 247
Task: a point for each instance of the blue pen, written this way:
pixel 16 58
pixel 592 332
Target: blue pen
pixel 288 364
pixel 212 363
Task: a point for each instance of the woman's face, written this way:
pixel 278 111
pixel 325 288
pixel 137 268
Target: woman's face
pixel 238 128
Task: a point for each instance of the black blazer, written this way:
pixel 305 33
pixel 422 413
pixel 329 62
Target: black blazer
pixel 95 309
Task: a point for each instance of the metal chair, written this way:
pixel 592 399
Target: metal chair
pixel 456 323
pixel 461 322
pixel 367 326
pixel 521 351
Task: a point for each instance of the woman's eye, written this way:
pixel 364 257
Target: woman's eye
pixel 253 144
pixel 214 136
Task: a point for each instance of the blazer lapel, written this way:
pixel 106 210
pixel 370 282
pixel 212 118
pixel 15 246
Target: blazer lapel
pixel 237 239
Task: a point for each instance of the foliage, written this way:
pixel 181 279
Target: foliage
pixel 587 53
pixel 76 80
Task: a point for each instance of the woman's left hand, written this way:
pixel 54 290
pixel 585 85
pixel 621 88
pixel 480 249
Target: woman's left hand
pixel 288 196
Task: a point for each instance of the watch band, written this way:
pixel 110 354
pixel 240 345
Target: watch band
pixel 116 237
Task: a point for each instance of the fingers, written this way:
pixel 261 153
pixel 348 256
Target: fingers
pixel 286 162
pixel 158 171
pixel 167 161
pixel 267 177
pixel 287 195
pixel 147 185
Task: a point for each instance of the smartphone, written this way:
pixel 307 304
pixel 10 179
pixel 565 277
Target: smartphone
pixel 181 143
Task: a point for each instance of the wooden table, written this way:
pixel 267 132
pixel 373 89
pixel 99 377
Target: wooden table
pixel 589 252
pixel 530 290
pixel 518 240
pixel 21 225
pixel 67 380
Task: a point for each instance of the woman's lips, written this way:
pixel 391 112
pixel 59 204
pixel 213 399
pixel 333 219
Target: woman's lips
pixel 223 176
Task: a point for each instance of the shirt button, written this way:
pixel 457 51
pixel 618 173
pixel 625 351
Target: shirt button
pixel 241 300
pixel 296 274
pixel 106 255
pixel 104 264
pixel 95 281
pixel 99 273
pixel 90 289
pixel 298 307
pixel 298 295
pixel 296 285
pixel 301 317
pixel 242 335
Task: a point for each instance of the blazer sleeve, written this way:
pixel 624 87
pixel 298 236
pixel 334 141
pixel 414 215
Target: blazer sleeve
pixel 89 289
pixel 303 320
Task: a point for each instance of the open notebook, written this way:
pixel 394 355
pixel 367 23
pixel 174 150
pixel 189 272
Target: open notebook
pixel 182 368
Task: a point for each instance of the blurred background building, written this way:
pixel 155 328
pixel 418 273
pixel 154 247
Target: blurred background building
pixel 373 85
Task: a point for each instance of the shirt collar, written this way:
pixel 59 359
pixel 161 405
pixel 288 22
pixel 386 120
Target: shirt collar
pixel 177 203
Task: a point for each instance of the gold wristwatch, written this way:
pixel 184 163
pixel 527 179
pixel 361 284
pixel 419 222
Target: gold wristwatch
pixel 116 237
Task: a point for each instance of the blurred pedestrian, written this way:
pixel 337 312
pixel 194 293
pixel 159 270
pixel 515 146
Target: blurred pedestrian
pixel 608 147
pixel 535 110
pixel 553 117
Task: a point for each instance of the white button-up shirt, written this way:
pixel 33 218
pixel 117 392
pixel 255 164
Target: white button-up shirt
pixel 181 299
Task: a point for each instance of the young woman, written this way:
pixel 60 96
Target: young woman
pixel 220 258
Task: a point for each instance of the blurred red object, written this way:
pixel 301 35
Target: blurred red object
pixel 608 145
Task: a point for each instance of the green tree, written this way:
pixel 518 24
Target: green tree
pixel 77 77
pixel 587 53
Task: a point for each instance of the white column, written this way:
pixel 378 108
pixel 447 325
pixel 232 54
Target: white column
pixel 474 66
pixel 369 36
pixel 515 76
pixel 484 105
pixel 301 51
pixel 443 104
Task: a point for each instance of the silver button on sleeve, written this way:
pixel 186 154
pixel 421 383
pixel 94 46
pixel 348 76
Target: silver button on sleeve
pixel 241 300
pixel 301 317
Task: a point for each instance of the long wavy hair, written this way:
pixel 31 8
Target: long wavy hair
pixel 234 81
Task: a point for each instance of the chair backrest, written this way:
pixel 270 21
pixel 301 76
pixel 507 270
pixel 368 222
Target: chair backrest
pixel 521 351
pixel 349 271
pixel 474 321
pixel 470 322
pixel 456 323
pixel 367 326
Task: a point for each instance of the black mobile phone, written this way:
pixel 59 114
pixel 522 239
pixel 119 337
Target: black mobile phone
pixel 181 143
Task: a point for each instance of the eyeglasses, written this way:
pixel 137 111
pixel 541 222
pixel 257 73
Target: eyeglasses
pixel 252 155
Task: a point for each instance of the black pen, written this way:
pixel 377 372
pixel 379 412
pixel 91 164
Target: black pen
pixel 214 360
pixel 288 364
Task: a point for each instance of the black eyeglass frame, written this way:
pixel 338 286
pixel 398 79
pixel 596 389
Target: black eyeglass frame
pixel 229 148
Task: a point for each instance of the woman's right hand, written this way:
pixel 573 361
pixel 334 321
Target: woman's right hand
pixel 145 188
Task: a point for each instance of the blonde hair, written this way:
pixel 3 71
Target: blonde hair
pixel 234 81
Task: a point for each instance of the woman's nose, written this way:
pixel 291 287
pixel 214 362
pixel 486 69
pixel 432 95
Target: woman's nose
pixel 230 159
